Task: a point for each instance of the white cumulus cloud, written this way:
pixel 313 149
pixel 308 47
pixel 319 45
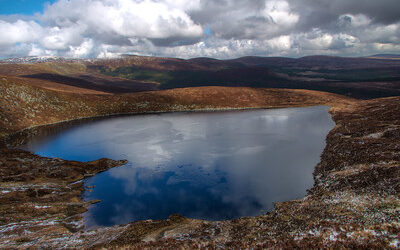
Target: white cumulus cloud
pixel 19 32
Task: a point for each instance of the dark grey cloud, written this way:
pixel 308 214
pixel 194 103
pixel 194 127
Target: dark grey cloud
pixel 321 13
pixel 210 11
pixel 174 41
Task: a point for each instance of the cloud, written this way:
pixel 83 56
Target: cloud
pixel 19 32
pixel 242 20
pixel 383 11
pixel 62 38
pixel 214 28
pixel 112 21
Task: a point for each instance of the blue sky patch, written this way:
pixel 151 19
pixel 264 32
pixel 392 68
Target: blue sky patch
pixel 22 7
pixel 207 31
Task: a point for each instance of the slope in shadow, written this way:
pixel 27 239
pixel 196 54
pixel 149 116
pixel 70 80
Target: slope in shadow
pixel 110 85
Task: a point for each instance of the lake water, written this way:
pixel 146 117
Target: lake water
pixel 213 166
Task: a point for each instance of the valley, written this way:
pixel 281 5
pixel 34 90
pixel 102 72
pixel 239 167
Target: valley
pixel 361 78
pixel 354 201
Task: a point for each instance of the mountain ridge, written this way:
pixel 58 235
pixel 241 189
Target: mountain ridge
pixel 357 77
pixel 39 59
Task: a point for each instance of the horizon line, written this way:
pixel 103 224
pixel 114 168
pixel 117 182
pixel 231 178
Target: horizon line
pixel 200 57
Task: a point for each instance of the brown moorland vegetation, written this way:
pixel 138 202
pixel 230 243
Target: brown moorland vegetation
pixel 362 78
pixel 354 202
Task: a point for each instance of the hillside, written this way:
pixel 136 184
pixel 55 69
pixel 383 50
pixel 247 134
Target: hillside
pixel 354 201
pixel 362 78
pixel 24 105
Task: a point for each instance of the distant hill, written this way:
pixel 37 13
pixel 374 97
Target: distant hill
pixel 385 56
pixel 358 77
pixel 35 59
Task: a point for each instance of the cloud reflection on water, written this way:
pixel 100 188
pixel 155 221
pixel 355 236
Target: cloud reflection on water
pixel 201 165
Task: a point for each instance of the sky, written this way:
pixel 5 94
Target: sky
pixel 22 7
pixel 198 28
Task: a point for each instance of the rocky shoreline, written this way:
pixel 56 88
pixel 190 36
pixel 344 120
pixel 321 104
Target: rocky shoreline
pixel 355 201
pixel 41 197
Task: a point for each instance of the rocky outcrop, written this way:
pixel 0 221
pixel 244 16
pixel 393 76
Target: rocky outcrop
pixel 40 198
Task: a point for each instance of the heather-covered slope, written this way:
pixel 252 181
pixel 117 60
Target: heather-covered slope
pixel 354 203
pixel 23 105
pixel 363 78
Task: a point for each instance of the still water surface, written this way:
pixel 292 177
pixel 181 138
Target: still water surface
pixel 212 166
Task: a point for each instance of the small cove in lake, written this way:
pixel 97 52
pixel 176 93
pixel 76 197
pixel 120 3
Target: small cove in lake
pixel 208 165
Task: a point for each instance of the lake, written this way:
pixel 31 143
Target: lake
pixel 206 165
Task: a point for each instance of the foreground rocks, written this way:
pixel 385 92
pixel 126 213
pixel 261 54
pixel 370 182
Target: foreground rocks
pixel 40 198
pixel 355 200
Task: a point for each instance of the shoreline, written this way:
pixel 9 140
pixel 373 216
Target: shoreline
pixel 354 201
pixel 24 132
pixel 65 124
